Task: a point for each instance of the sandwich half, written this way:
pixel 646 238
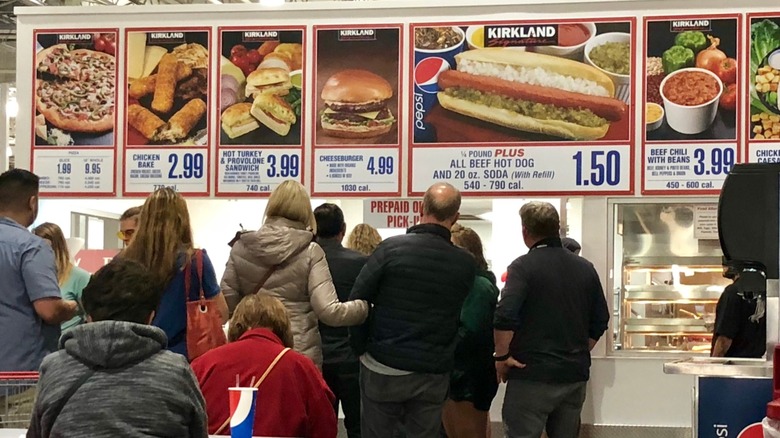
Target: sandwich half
pixel 268 81
pixel 274 112
pixel 237 120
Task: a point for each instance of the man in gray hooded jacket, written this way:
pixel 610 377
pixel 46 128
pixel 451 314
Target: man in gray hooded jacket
pixel 113 376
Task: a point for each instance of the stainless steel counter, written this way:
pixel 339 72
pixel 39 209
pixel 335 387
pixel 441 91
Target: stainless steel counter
pixel 720 367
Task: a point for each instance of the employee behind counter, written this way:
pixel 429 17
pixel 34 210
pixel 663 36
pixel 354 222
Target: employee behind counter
pixel 740 320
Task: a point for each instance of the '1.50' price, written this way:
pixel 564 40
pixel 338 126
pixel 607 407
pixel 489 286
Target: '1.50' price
pixel 191 166
pixel 604 168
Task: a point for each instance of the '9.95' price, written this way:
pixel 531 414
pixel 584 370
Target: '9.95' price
pixel 603 167
pixel 191 166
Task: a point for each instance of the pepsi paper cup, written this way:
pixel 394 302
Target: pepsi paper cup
pixel 242 411
pixel 428 64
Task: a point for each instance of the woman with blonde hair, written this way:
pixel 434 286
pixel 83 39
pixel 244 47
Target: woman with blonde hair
pixel 71 278
pixel 281 259
pixel 473 383
pixel 364 239
pixel 295 400
pixel 163 244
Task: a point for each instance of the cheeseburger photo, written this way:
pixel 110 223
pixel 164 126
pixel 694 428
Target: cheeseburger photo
pixel 531 92
pixel 356 105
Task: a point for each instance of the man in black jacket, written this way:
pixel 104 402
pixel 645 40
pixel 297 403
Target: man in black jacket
pixel 340 366
pixel 417 284
pixel 551 314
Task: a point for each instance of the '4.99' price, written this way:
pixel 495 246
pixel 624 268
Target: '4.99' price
pixel 380 165
pixel 601 167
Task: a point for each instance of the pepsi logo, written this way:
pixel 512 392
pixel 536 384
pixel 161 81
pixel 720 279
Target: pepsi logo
pixel 427 71
pixel 753 431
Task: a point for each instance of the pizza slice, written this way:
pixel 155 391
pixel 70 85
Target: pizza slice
pixel 76 106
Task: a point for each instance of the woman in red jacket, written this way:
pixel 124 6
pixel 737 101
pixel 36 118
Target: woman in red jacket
pixel 293 400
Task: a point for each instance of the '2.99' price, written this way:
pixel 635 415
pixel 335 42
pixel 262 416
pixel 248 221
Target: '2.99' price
pixel 604 168
pixel 191 166
pixel 289 166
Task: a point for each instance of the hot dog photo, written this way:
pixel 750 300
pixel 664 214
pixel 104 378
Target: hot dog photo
pixel 691 76
pixel 168 87
pixel 357 82
pixel 509 82
pixel 261 87
pixel 75 88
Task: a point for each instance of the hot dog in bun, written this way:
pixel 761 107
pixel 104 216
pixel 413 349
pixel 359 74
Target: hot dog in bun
pixel 531 92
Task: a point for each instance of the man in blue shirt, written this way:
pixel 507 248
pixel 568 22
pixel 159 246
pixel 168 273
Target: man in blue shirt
pixel 31 307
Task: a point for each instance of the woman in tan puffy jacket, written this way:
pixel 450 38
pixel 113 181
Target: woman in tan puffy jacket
pixel 284 255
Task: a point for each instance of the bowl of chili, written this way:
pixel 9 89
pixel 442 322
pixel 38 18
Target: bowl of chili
pixel 691 97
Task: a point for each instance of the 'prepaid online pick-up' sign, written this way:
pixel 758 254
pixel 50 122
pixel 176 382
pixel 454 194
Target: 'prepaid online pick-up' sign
pixel 392 213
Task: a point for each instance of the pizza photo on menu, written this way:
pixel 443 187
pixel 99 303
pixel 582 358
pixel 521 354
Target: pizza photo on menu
pixel 75 89
pixel 168 87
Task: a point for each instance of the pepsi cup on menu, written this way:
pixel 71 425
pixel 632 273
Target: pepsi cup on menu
pixel 242 411
pixel 434 52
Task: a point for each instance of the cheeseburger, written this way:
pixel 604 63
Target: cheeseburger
pixel 356 105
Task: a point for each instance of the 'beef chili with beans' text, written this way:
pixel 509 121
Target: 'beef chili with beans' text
pixel 691 88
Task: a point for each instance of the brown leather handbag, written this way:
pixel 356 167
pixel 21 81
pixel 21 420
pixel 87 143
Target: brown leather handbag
pixel 204 322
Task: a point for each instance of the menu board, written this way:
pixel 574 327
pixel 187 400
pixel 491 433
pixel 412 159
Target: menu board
pixel 73 111
pixel 691 117
pixel 525 107
pixel 261 89
pixel 167 117
pixel 763 80
pixel 357 112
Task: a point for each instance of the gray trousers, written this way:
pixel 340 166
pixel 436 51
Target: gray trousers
pixel 532 407
pixel 413 402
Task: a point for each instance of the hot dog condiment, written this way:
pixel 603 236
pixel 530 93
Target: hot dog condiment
pixel 572 34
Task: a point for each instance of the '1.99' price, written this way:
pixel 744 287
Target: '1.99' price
pixel 719 161
pixel 286 166
pixel 600 168
pixel 191 166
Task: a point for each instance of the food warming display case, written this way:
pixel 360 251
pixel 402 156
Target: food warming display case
pixel 667 276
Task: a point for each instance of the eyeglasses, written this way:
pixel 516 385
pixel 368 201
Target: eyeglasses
pixel 125 235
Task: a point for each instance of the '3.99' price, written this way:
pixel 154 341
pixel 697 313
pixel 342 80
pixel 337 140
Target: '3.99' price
pixel 719 161
pixel 286 166
pixel 597 168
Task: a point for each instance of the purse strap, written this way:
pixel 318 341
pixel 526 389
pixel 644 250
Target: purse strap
pixel 188 276
pixel 257 385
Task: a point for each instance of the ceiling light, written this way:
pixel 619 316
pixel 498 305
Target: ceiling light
pixel 271 2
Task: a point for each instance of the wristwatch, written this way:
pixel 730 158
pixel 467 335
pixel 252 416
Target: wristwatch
pixel 501 358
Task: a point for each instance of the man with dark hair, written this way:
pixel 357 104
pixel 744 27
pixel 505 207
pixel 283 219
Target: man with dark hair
pixel 31 306
pixel 340 366
pixel 552 291
pixel 128 223
pixel 416 283
pixel 571 244
pixel 118 362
